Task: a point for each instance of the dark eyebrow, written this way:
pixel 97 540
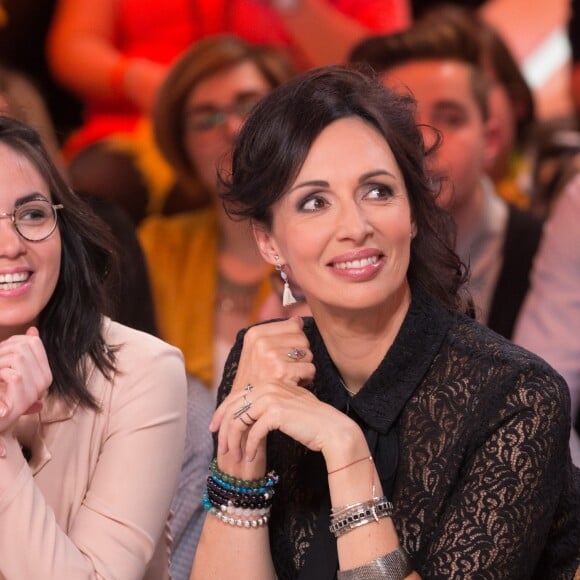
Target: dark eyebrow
pixel 375 173
pixel 362 179
pixel 34 196
pixel 310 184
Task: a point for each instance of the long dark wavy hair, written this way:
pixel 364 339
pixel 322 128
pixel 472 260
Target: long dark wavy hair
pixel 275 141
pixel 70 325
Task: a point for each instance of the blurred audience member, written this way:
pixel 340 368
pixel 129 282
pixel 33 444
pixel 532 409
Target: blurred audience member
pixel 19 98
pixel 574 39
pixel 187 510
pixel 24 26
pixel 549 322
pixel 208 278
pixel 439 62
pixel 510 100
pixel 114 54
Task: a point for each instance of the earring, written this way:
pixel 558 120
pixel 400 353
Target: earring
pixel 287 296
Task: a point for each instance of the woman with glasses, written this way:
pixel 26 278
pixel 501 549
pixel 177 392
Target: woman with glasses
pixel 207 276
pixel 91 412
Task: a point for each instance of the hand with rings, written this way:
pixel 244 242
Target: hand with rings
pixel 276 351
pixel 275 354
pixel 296 354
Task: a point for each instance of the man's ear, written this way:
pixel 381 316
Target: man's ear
pixel 492 141
pixel 266 243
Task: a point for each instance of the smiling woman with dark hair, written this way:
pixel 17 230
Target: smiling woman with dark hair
pixel 92 413
pixel 390 435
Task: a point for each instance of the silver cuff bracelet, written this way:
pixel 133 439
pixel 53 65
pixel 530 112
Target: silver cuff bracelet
pixel 395 565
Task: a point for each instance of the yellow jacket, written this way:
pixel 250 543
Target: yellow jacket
pixel 181 253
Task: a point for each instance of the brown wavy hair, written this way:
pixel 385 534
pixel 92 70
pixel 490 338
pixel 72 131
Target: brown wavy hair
pixel 275 140
pixel 204 59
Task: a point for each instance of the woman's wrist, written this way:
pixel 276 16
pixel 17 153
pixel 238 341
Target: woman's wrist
pixel 345 445
pixel 243 469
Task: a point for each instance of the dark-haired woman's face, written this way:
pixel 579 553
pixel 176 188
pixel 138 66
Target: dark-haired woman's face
pixel 214 113
pixel 29 271
pixel 344 228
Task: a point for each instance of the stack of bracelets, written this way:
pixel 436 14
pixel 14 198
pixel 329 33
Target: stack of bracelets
pixel 243 503
pixel 346 518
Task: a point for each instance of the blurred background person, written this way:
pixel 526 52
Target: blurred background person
pixel 439 62
pixel 115 54
pixel 549 322
pixel 207 275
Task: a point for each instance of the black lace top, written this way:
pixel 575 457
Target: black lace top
pixel 470 437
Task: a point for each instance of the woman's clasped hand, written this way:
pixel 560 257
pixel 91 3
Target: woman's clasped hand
pixel 271 393
pixel 24 377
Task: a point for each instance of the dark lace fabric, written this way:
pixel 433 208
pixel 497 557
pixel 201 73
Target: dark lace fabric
pixel 484 486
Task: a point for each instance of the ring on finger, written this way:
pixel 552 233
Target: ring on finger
pixel 248 388
pixel 250 417
pixel 241 418
pixel 246 404
pixel 297 354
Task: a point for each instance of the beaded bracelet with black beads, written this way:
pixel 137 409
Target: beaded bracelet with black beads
pixel 218 496
pixel 229 492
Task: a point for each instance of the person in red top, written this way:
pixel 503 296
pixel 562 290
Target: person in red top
pixel 114 54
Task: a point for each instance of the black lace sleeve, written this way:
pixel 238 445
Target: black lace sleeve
pixel 497 430
pixel 231 367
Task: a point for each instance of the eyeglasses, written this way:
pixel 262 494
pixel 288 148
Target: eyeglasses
pixel 207 118
pixel 34 220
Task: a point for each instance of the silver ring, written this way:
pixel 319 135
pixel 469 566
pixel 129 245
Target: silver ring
pixel 296 354
pixel 248 388
pixel 246 404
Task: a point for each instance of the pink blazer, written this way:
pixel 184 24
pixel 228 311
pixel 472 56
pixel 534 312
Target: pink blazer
pixel 94 499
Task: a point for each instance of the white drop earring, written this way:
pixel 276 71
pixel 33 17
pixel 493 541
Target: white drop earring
pixel 287 296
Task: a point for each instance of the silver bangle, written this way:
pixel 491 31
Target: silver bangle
pixel 370 511
pixel 336 512
pixel 395 565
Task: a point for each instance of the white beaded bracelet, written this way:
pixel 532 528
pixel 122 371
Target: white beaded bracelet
pixel 239 522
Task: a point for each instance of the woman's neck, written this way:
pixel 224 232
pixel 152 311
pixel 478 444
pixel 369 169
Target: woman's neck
pixel 358 341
